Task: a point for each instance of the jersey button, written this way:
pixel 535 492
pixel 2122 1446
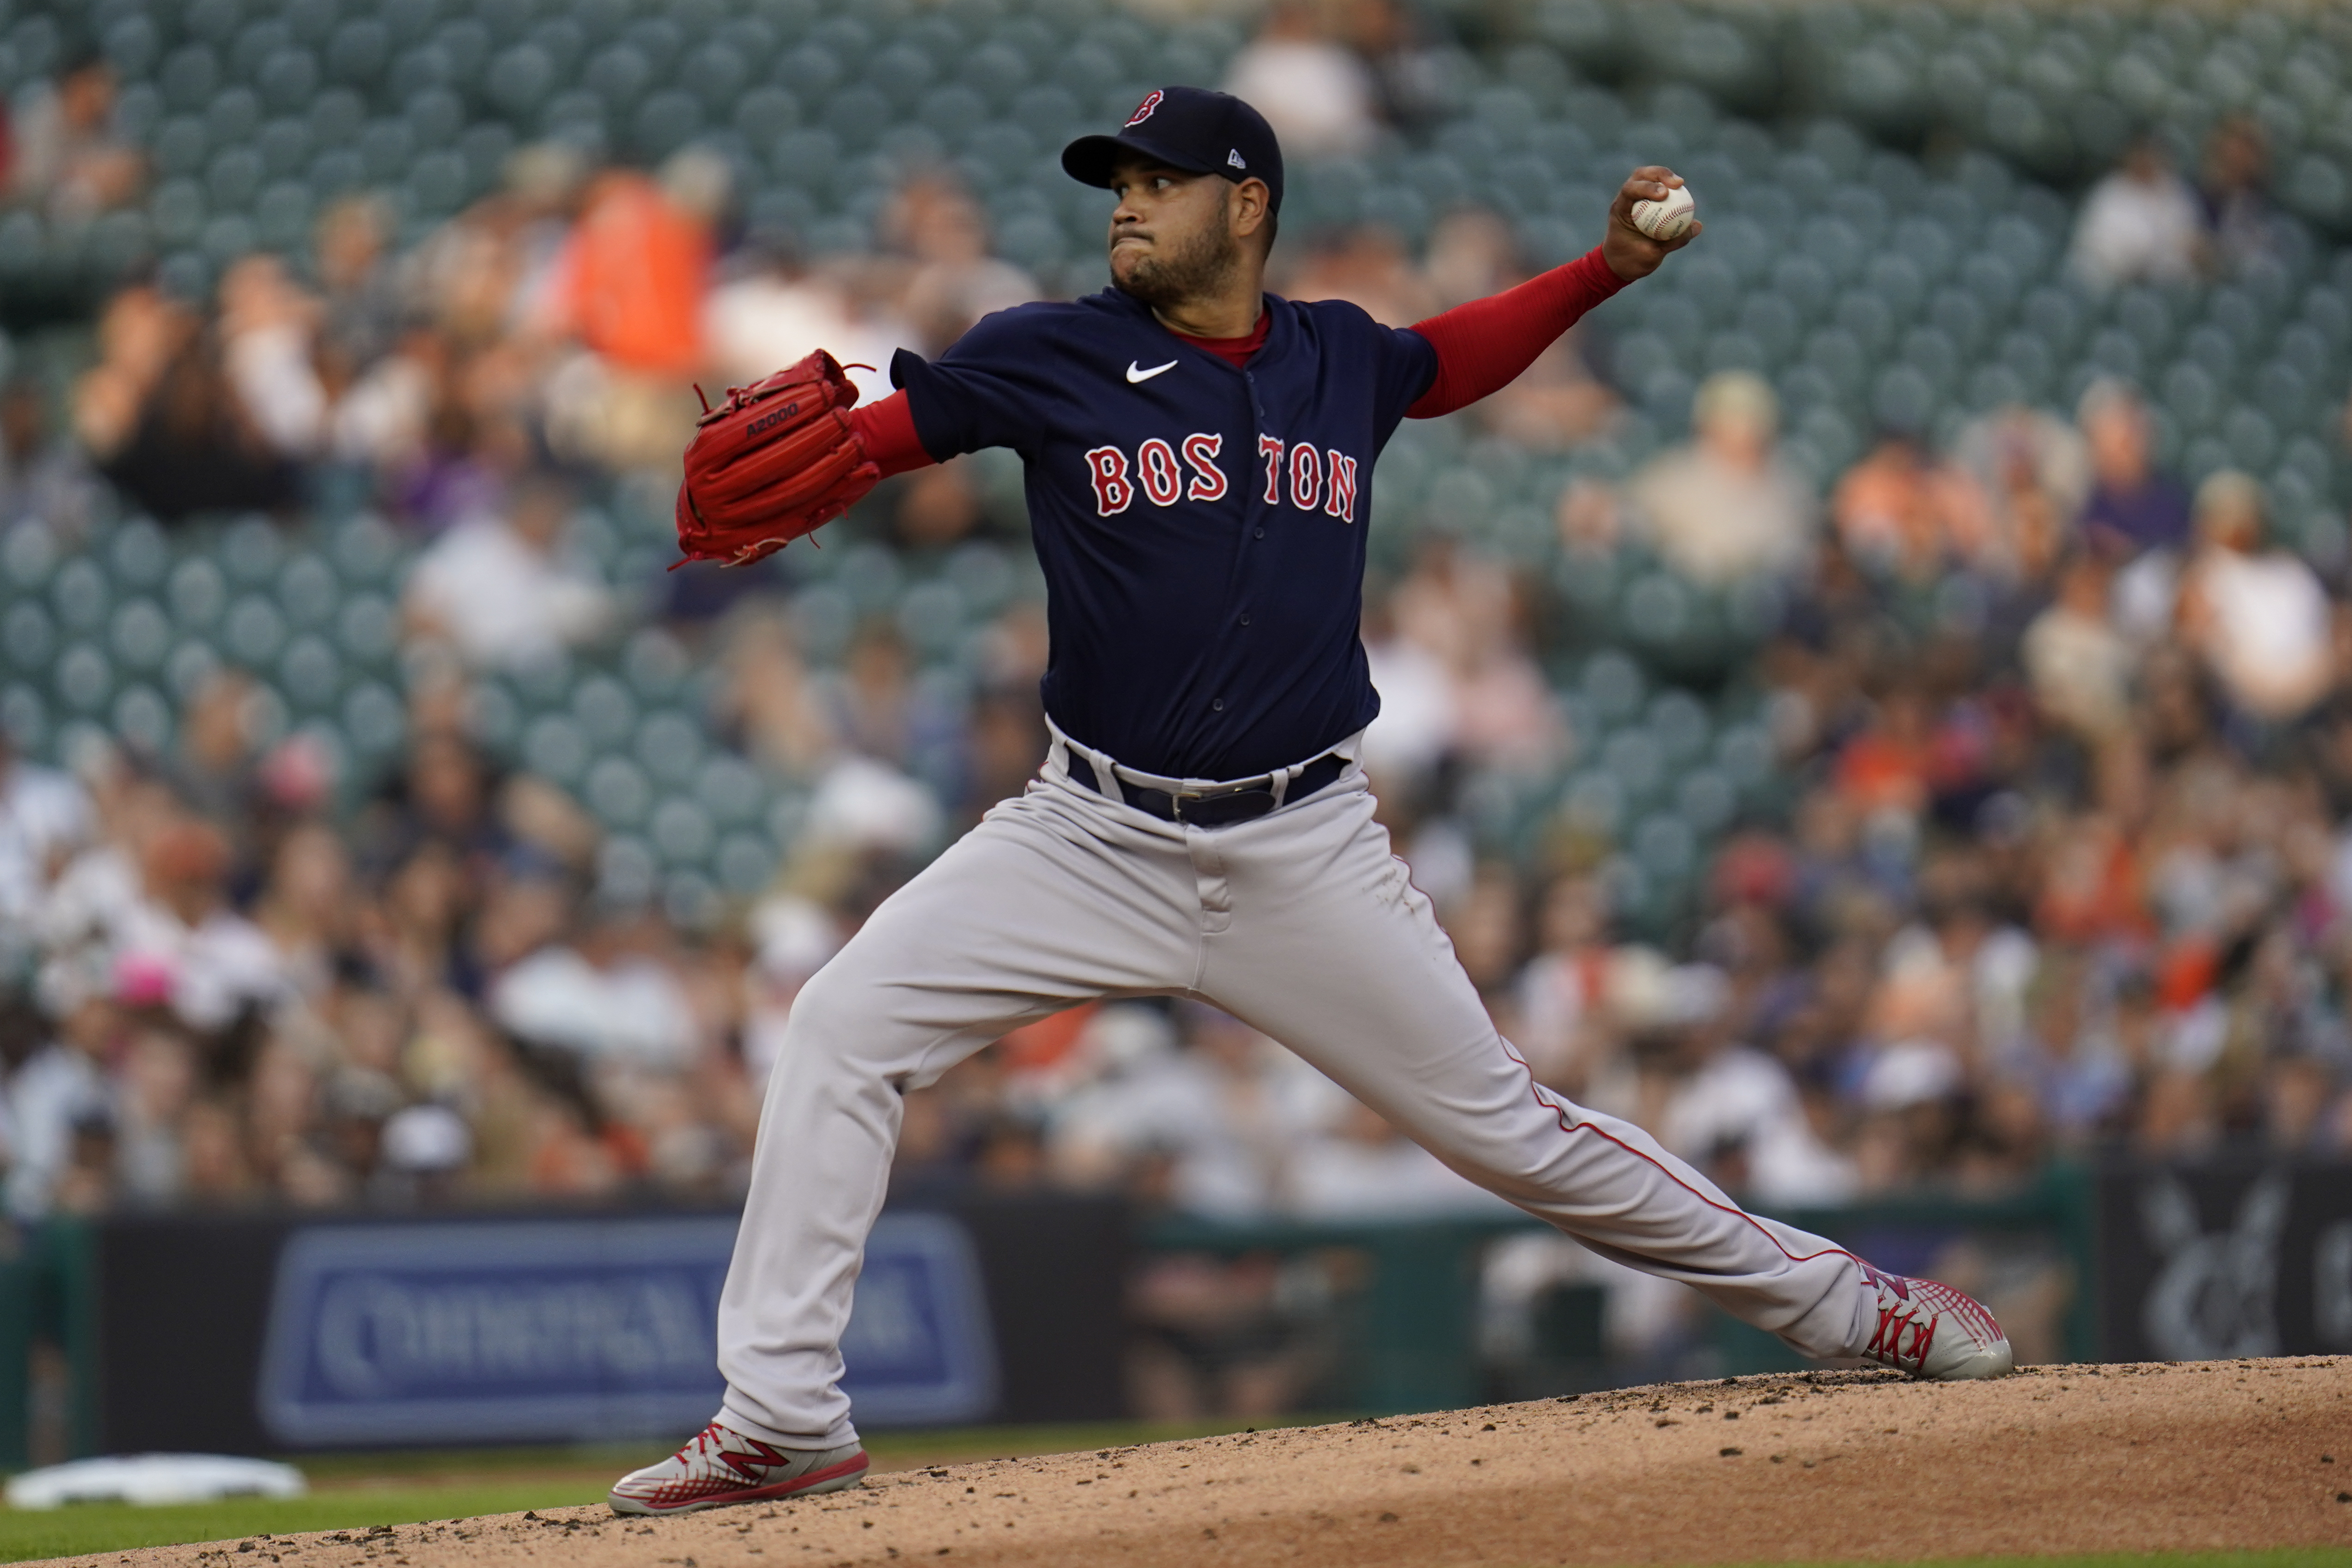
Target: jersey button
pixel 1244 620
pixel 1216 704
pixel 1258 533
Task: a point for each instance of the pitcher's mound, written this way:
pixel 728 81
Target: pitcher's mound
pixel 1811 1466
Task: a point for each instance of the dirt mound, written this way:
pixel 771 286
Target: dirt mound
pixel 1826 1465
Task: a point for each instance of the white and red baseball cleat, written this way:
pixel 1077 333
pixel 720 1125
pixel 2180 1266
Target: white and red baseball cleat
pixel 722 1466
pixel 1929 1329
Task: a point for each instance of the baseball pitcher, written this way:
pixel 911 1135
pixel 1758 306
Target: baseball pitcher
pixel 1198 457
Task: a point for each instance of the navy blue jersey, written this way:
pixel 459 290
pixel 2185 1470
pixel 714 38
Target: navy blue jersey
pixel 1201 528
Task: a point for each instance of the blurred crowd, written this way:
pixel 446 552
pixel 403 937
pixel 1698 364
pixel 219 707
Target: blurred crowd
pixel 2064 860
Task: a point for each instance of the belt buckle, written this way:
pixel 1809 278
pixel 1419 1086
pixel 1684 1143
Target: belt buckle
pixel 1200 799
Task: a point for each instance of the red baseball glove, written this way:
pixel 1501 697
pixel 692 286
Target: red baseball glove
pixel 778 459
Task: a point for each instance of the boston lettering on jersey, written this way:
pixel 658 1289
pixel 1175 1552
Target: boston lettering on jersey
pixel 1108 470
pixel 1202 526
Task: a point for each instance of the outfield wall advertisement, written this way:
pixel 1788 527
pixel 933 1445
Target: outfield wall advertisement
pixel 2202 1262
pixel 262 1332
pixel 540 1330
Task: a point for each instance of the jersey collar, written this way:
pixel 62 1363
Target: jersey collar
pixel 1275 313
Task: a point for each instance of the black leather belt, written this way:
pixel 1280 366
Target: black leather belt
pixel 1219 805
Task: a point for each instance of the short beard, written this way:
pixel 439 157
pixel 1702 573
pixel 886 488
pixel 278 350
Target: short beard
pixel 1172 277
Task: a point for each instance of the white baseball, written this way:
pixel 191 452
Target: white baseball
pixel 1666 221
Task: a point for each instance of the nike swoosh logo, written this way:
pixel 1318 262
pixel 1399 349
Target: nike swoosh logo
pixel 1137 377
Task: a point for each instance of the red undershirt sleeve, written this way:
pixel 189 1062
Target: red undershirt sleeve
pixel 888 430
pixel 1481 347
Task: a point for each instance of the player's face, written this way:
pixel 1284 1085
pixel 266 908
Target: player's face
pixel 1170 236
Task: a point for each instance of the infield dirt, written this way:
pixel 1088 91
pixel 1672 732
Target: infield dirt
pixel 1811 1467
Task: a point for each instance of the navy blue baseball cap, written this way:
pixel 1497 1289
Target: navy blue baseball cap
pixel 1187 128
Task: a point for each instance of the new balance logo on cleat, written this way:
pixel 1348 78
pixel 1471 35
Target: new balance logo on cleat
pixel 1929 1329
pixel 721 1466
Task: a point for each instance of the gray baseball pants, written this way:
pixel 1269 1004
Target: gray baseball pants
pixel 1299 923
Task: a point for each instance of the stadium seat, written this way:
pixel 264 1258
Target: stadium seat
pixel 141 716
pixel 81 678
pixel 682 831
pixel 627 874
pixel 607 711
pixel 616 789
pixel 1666 847
pixel 732 790
pixel 27 715
pixel 544 682
pixel 309 673
pixel 29 635
pixel 554 748
pixel 80 596
pixel 140 637
pixel 374 720
pixel 253 631
pixel 670 746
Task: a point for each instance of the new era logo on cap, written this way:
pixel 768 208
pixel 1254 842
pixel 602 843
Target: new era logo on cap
pixel 1234 158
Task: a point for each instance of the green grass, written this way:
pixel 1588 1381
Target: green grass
pixel 116 1527
pixel 351 1491
pixel 2278 1557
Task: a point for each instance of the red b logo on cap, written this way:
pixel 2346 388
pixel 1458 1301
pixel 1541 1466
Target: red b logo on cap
pixel 1143 111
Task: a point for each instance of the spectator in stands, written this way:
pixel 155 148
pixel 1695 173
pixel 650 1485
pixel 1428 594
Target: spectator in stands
pixel 1413 732
pixel 1315 91
pixel 776 309
pixel 1473 253
pixel 881 712
pixel 61 150
pixel 2141 223
pixel 268 329
pixel 1562 999
pixel 629 286
pixel 1724 508
pixel 1368 266
pixel 2241 225
pixel 1906 513
pixel 2133 507
pixel 384 413
pixel 1557 401
pixel 768 703
pixel 139 332
pixel 431 419
pixel 60 1112
pixel 163 419
pixel 2033 471
pixel 939 507
pixel 935 223
pixel 44 820
pixel 503 589
pixel 1465 612
pixel 1364 1169
pixel 305 908
pixel 219 766
pixel 159 1088
pixel 1734 1110
pixel 182 944
pixel 2080 667
pixel 359 311
pixel 2259 619
pixel 42 478
pixel 1225 1113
